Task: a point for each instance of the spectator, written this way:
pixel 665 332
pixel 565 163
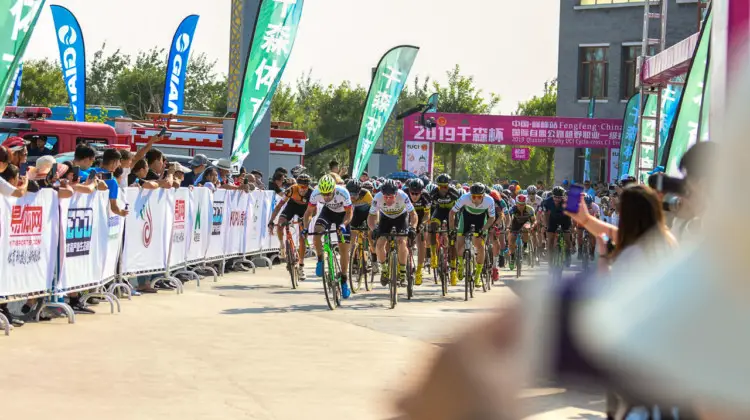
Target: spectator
pixel 540 186
pixel 110 163
pixel 198 164
pixel 84 158
pixel 126 165
pixel 179 174
pixel 588 189
pixel 37 146
pixel 7 188
pixel 210 179
pixel 333 166
pixel 258 175
pixel 18 153
pixel 277 183
pixel 11 174
pixel 156 171
pixel 364 177
pixel 41 177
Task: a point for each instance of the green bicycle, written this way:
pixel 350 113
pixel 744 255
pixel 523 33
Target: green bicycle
pixel 558 255
pixel 331 269
pixel 392 259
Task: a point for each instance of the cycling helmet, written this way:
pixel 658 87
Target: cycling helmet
pixel 443 179
pixel 399 184
pixel 367 185
pixel 297 170
pixel 506 192
pixel 477 188
pixel 495 195
pixel 558 191
pixel 497 187
pixel 531 190
pixel 430 188
pixel 354 187
pixel 425 179
pixel 521 199
pixel 389 187
pixel 303 179
pixel 377 185
pixel 326 185
pixel 416 185
pixel 588 199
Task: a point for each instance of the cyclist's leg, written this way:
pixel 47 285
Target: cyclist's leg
pixel 525 236
pixel 551 229
pixel 280 231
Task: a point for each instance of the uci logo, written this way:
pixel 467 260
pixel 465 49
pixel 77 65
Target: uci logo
pixel 67 35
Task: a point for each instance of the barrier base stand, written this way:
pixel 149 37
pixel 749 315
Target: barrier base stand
pixel 109 297
pixel 123 286
pixel 192 274
pixel 242 263
pixel 172 281
pixel 5 323
pixel 206 267
pixel 64 306
pixel 262 261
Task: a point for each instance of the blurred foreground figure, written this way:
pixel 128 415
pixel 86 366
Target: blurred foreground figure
pixel 670 331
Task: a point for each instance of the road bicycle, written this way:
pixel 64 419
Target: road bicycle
pixel 292 255
pixel 488 263
pixel 392 259
pixel 359 261
pixel 442 271
pixel 558 251
pixel 585 250
pixel 470 263
pixel 331 268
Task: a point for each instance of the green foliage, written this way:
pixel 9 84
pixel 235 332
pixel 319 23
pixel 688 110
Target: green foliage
pixel 42 84
pixel 89 117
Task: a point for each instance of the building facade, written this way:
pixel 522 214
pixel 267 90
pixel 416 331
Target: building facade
pixel 599 43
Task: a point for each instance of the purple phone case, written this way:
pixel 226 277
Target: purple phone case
pixel 574 199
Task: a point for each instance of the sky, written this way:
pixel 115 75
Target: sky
pixel 509 47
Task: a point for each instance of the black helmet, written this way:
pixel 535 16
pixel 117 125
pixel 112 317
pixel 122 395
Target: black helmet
pixel 297 170
pixel 389 187
pixel 477 188
pixel 425 180
pixel 443 179
pixel 354 187
pixel 558 191
pixel 416 185
pixel 303 179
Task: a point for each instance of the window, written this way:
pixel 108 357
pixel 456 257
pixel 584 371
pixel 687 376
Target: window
pixel 592 72
pixel 595 2
pixel 630 55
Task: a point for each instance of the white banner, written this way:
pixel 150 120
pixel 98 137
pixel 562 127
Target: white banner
pixel 147 230
pixel 219 225
pixel 199 223
pixel 29 235
pixel 417 157
pixel 238 203
pixel 179 246
pixel 84 233
pixel 614 165
pixel 115 234
pixel 254 231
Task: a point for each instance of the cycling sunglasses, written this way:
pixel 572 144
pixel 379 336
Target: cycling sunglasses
pixel 477 196
pixel 443 186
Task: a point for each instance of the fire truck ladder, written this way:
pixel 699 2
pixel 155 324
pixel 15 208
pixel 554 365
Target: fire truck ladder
pixel 652 11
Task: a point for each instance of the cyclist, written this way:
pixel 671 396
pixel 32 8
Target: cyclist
pixel 421 202
pixel 595 211
pixel 391 208
pixel 554 217
pixel 443 199
pixel 498 236
pixel 535 201
pixel 521 214
pixel 361 200
pixel 293 204
pixel 478 209
pixel 337 210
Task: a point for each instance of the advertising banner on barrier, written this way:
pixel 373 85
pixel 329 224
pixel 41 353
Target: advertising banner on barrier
pixel 179 246
pixel 267 240
pixel 83 240
pixel 199 223
pixel 147 229
pixel 516 130
pixel 238 202
pixel 255 209
pixel 115 234
pixel 29 234
pixel 219 225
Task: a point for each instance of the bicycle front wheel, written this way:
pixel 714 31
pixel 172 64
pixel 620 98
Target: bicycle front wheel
pixel 468 284
pixel 328 284
pixel 442 271
pixel 410 272
pixel 356 267
pixel 393 283
pixel 291 264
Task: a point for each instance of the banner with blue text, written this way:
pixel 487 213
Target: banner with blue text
pixel 177 64
pixel 72 58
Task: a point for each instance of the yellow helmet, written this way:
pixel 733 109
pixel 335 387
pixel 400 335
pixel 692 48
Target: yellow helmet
pixel 326 185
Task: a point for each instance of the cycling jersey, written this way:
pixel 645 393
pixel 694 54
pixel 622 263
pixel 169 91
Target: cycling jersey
pixel 521 217
pixel 401 205
pixel 535 201
pixel 445 201
pixel 363 199
pixel 549 205
pixel 422 204
pixel 293 194
pixel 594 210
pixel 339 203
pixel 486 206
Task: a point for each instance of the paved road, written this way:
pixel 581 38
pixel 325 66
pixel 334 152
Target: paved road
pixel 246 347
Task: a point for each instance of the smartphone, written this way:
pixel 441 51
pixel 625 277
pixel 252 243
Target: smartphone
pixel 105 176
pixel 246 181
pixel 163 131
pixel 574 198
pixel 76 173
pixel 52 172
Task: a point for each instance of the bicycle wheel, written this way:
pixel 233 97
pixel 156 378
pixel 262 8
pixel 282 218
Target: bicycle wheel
pixel 291 264
pixel 489 260
pixel 442 271
pixel 356 268
pixel 519 258
pixel 393 283
pixel 328 289
pixel 410 273
pixel 468 286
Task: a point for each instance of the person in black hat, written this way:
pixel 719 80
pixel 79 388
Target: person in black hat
pixel 197 166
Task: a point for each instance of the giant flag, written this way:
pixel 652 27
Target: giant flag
pixel 389 80
pixel 72 58
pixel 272 42
pixel 17 21
pixel 17 86
pixel 177 63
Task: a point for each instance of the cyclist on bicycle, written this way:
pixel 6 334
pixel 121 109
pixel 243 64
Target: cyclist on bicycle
pixel 361 200
pixel 595 211
pixel 294 204
pixel 497 236
pixel 521 214
pixel 555 217
pixel 443 199
pixel 337 210
pixel 535 201
pixel 422 204
pixel 478 209
pixel 391 208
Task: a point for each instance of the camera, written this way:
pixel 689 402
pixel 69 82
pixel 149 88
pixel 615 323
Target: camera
pixel 673 190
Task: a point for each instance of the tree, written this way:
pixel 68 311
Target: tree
pixel 101 76
pixel 140 87
pixel 42 84
pixel 544 106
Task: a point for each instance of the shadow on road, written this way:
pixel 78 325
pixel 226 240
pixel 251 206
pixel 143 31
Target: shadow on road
pixel 275 309
pixel 469 310
pixel 242 287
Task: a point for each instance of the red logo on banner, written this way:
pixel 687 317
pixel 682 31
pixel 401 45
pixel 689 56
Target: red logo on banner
pixel 424 147
pixel 148 228
pixel 26 221
pixel 179 211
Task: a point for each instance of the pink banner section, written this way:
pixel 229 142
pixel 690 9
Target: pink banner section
pixel 516 130
pixel 521 153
